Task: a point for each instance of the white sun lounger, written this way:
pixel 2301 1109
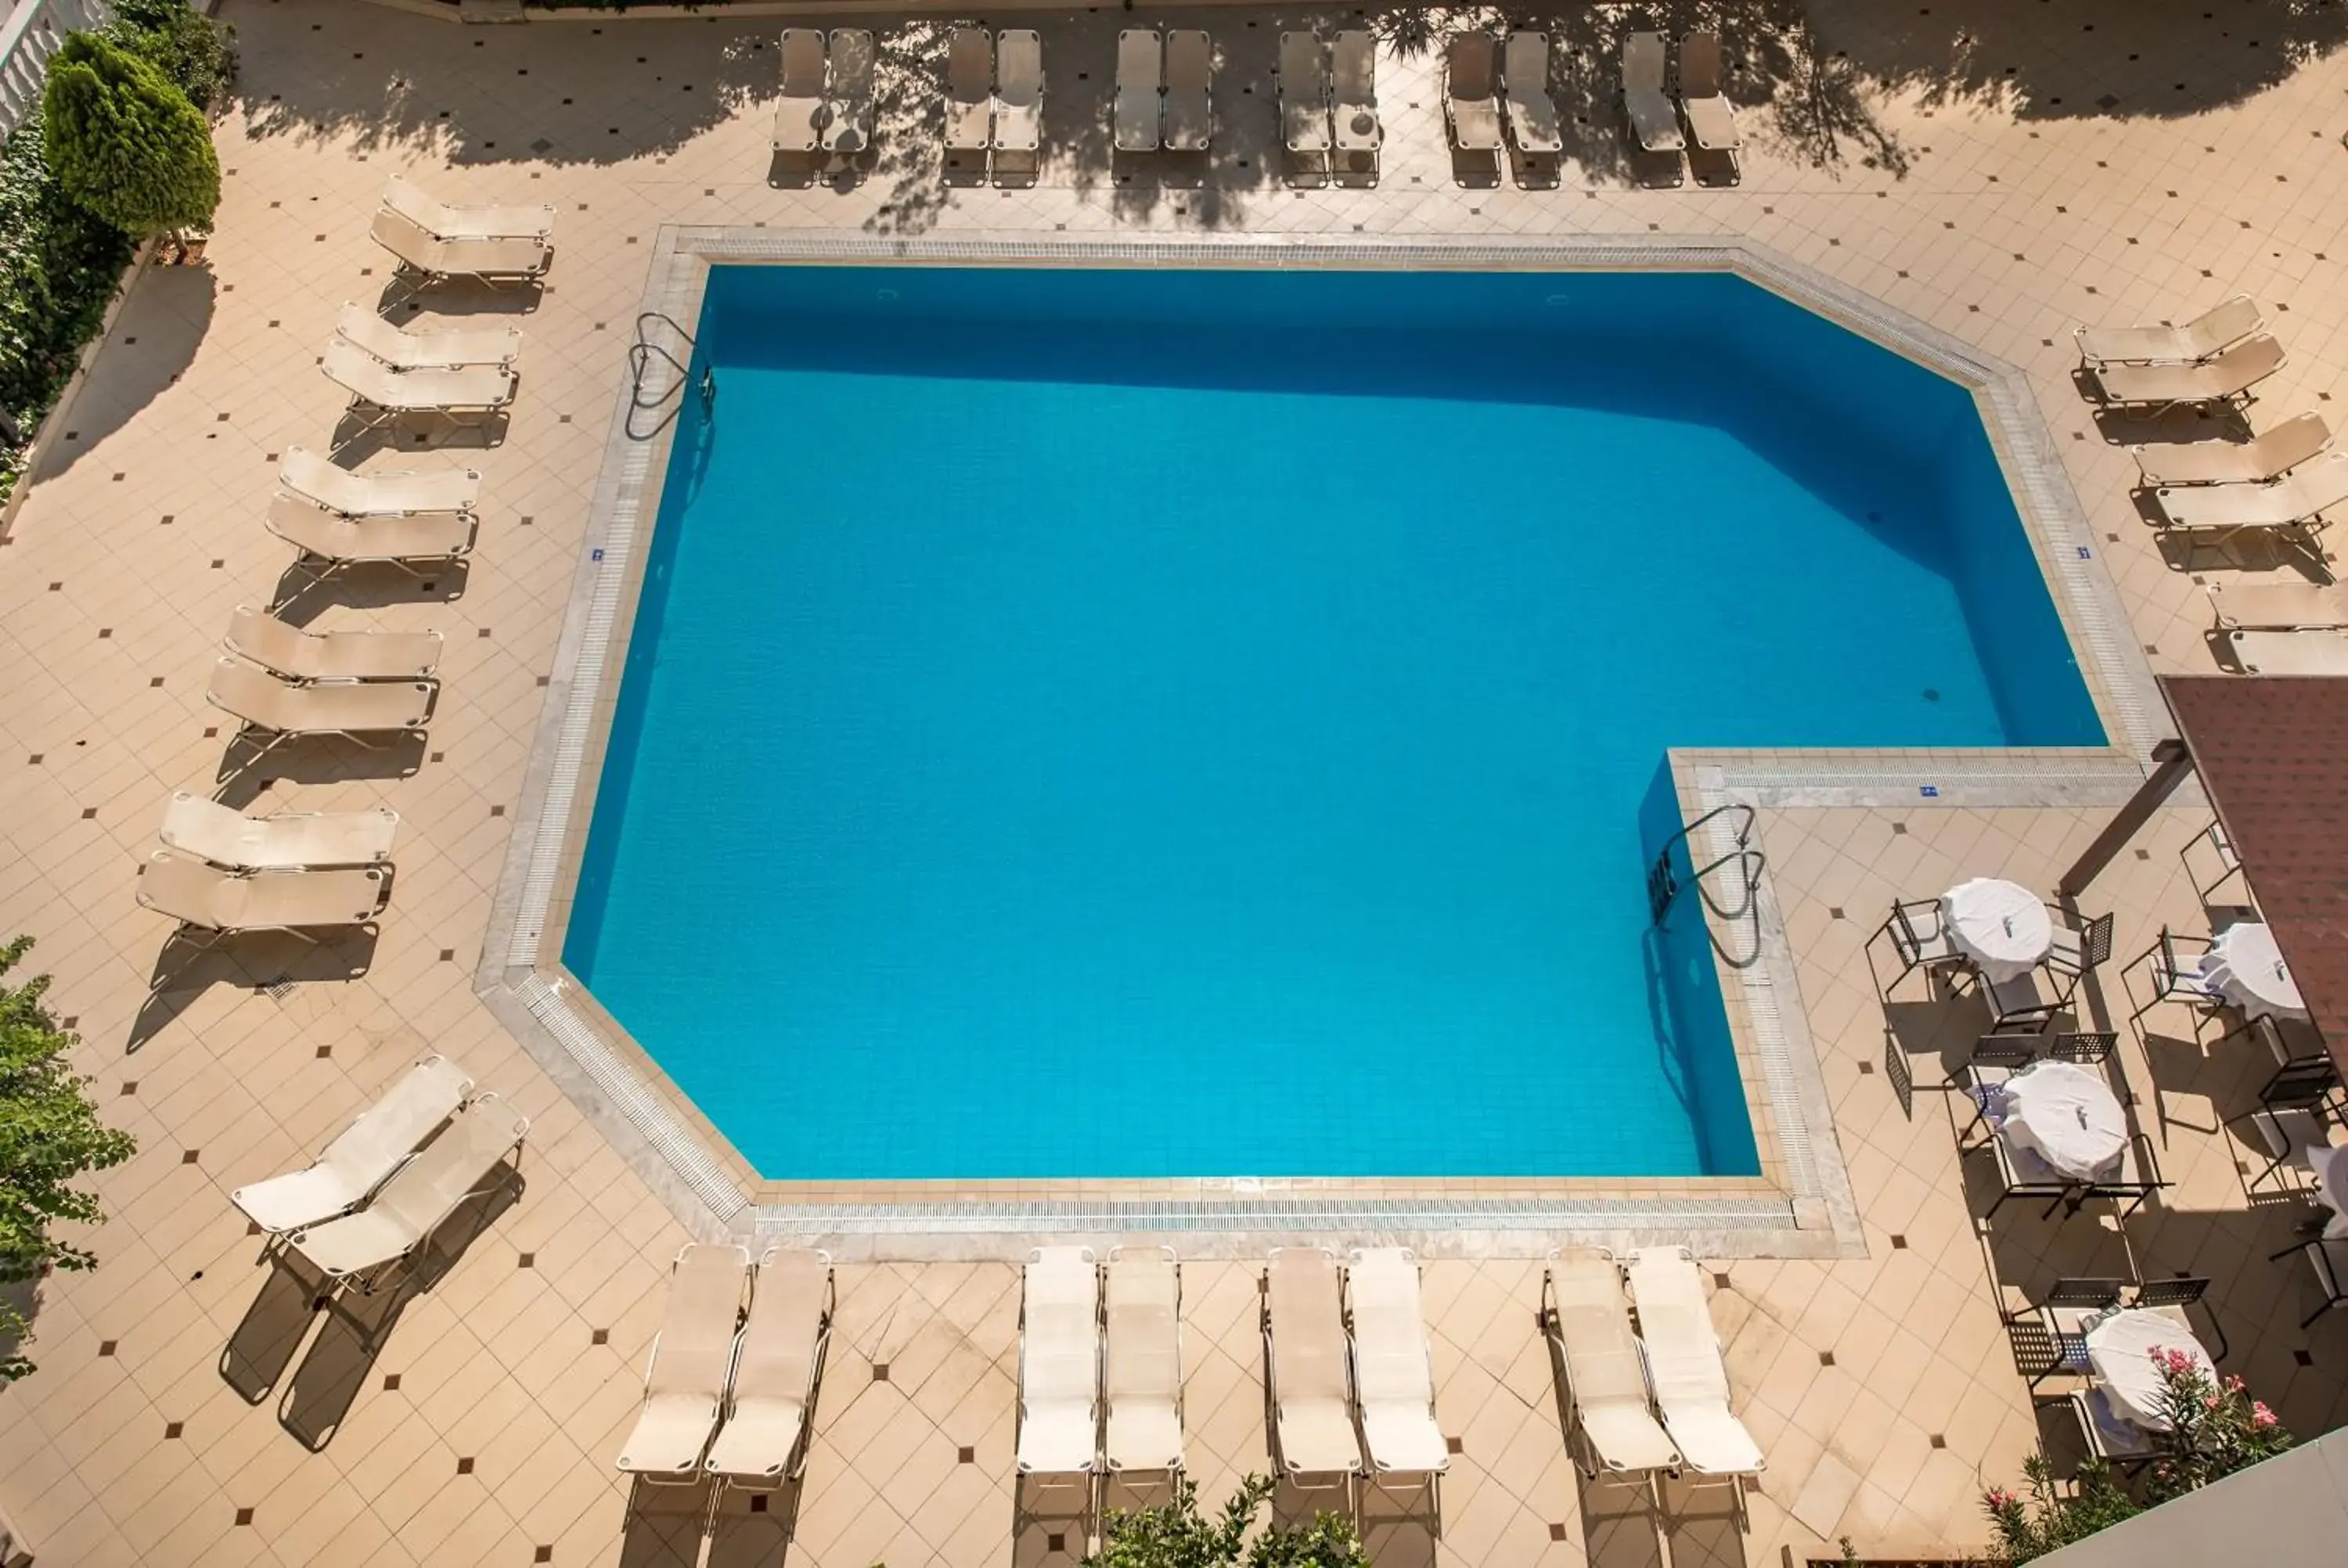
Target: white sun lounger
pixel 2280 606
pixel 363 1156
pixel 1652 121
pixel 1394 1366
pixel 299 655
pixel 2267 455
pixel 1711 118
pixel 1471 106
pixel 2294 498
pixel 798 107
pixel 1142 1371
pixel 290 841
pixel 351 707
pixel 969 89
pixel 1524 84
pixel 692 1356
pixel 534 221
pixel 2227 378
pixel 776 1362
pixel 1685 1367
pixel 1018 90
pixel 2290 652
pixel 437 348
pixel 1140 77
pixel 431 256
pixel 847 93
pixel 1189 90
pixel 211 899
pixel 1305 1366
pixel 326 539
pixel 312 478
pixel 2204 337
pixel 419 1197
pixel 1605 1374
pixel 1059 1363
pixel 1354 84
pixel 1303 94
pixel 478 389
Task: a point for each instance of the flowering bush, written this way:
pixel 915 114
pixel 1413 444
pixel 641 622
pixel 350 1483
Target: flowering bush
pixel 2215 1429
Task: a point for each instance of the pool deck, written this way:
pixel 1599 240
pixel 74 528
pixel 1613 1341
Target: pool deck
pixel 191 1408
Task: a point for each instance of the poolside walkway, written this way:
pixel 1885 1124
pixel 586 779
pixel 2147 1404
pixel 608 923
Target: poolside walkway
pixel 2112 163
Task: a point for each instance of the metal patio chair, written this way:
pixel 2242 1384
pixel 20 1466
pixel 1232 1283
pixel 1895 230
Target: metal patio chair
pixel 1920 940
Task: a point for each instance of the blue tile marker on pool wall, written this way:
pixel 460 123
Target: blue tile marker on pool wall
pixel 1140 723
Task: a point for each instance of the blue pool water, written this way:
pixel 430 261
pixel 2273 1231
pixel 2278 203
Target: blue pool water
pixel 1161 724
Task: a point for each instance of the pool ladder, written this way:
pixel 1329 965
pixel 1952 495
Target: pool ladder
pixel 644 357
pixel 1663 878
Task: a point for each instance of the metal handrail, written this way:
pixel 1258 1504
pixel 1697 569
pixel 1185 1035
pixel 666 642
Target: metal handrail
pixel 642 356
pixel 1662 886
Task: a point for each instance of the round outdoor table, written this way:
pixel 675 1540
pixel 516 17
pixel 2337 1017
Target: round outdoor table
pixel 2068 1116
pixel 2119 1353
pixel 2002 926
pixel 2246 969
pixel 2331 1168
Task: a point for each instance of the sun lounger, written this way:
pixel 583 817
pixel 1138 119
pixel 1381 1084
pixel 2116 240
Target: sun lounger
pixel 312 478
pixel 480 389
pixel 692 1356
pixel 2227 378
pixel 1711 118
pixel 1605 1375
pixel 2267 455
pixel 363 1156
pixel 326 539
pixel 2204 337
pixel 290 841
pixel 1305 1365
pixel 1652 121
pixel 220 901
pixel 847 93
pixel 1354 84
pixel 2290 652
pixel 1394 1367
pixel 2280 606
pixel 1189 90
pixel 1140 74
pixel 299 655
pixel 434 349
pixel 1142 1372
pixel 1685 1367
pixel 1303 82
pixel 351 707
pixel 1524 84
pixel 534 221
pixel 1059 1362
pixel 1470 97
pixel 969 89
pixel 1018 90
pixel 776 1362
pixel 430 256
pixel 2289 500
pixel 798 107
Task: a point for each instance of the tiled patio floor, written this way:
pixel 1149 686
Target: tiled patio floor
pixel 192 1408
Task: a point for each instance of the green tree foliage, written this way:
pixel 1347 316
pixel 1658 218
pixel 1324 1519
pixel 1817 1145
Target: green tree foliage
pixel 50 1135
pixel 180 41
pixel 127 143
pixel 1178 1536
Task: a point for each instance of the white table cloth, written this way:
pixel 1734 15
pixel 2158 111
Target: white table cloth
pixel 2000 926
pixel 2119 1353
pixel 2331 1168
pixel 2068 1116
pixel 2246 969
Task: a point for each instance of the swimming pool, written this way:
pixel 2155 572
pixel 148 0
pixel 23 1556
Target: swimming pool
pixel 1137 724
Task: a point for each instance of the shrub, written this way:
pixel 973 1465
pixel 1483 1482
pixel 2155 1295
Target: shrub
pixel 178 40
pixel 49 1135
pixel 1177 1536
pixel 126 141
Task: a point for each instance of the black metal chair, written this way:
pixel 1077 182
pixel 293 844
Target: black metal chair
pixel 2060 1324
pixel 2139 1177
pixel 1920 940
pixel 2077 954
pixel 2174 964
pixel 2090 1049
pixel 1902 1075
pixel 2170 1297
pixel 2021 1001
pixel 1996 1057
pixel 2328 1256
pixel 2296 1109
pixel 2109 1435
pixel 2224 864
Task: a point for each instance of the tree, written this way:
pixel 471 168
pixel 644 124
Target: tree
pixel 1176 1536
pixel 126 143
pixel 189 47
pixel 49 1135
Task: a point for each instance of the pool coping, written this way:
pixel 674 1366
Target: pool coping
pixel 1801 1205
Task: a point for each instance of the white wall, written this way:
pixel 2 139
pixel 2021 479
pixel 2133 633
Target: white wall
pixel 2289 1512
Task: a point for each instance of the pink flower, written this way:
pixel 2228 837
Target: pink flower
pixel 2208 1401
pixel 2259 1415
pixel 2233 1385
pixel 1999 1498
